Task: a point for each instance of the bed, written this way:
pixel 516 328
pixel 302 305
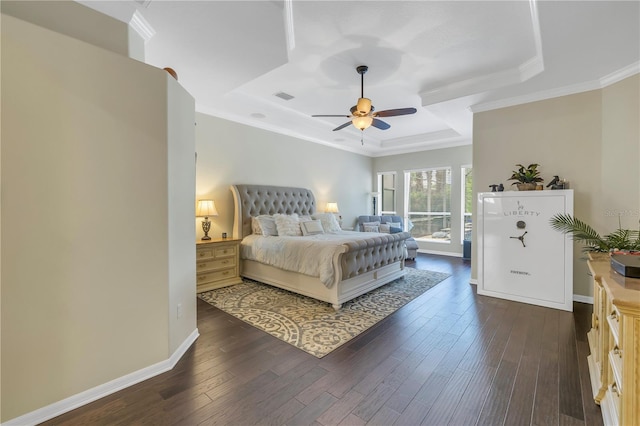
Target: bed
pixel 359 263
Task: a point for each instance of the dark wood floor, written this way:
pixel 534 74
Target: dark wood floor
pixel 448 357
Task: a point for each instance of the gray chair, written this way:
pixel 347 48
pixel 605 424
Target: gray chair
pixel 412 245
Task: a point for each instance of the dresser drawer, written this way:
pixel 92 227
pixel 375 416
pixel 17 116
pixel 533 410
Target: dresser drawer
pixel 225 251
pixel 213 264
pixel 217 264
pixel 212 276
pixel 205 253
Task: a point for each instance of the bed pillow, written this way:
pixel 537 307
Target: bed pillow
pixel 370 224
pixel 264 225
pixel 395 224
pixel 288 225
pixel 388 229
pixel 371 228
pixel 329 222
pixel 311 227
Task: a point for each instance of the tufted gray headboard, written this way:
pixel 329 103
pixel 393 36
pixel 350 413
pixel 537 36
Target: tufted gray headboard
pixel 254 200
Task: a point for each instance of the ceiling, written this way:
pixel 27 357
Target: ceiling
pixel 448 59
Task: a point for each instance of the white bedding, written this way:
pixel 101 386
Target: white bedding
pixel 309 255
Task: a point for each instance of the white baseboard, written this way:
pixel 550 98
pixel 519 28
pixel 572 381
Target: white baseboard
pixel 57 408
pixel 441 253
pixel 576 297
pixel 583 299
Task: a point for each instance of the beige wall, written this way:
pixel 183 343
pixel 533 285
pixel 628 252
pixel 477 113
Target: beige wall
pixel 590 139
pixel 87 217
pixel 456 158
pixel 620 151
pixel 231 153
pixel 181 186
pixel 80 22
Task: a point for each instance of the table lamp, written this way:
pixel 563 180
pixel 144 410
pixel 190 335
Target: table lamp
pixel 205 209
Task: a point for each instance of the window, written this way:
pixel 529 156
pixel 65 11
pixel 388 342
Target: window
pixel 428 204
pixel 387 186
pixel 467 202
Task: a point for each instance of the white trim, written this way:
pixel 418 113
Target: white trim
pixel 573 89
pixel 71 403
pixel 583 299
pixel 441 253
pixel 473 281
pixel 141 26
pixel 535 65
pixel 288 25
pixel 620 74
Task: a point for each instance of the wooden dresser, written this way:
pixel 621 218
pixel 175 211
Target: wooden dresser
pixel 614 342
pixel 217 263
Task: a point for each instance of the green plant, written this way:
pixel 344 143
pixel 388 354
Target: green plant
pixel 621 239
pixel 529 174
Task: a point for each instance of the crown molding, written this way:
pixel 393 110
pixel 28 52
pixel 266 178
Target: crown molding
pixel 203 109
pixel 620 74
pixel 141 26
pixel 573 89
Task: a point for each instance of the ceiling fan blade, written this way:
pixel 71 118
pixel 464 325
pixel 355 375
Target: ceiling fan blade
pixel 394 112
pixel 379 124
pixel 342 126
pixel 341 115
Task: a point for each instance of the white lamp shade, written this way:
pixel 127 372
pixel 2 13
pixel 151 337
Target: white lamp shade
pixel 332 208
pixel 206 208
pixel 362 122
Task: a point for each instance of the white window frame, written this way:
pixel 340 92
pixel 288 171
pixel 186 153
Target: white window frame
pixel 380 191
pixel 463 192
pixel 407 192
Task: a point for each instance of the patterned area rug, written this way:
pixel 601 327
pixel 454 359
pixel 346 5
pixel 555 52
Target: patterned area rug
pixel 311 325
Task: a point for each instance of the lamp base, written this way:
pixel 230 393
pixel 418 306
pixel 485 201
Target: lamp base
pixel 206 226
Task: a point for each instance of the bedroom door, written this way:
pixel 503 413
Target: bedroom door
pixel 520 256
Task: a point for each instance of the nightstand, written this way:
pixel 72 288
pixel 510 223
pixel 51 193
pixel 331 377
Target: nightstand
pixel 217 263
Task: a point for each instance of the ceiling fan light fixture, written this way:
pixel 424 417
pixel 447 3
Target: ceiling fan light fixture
pixel 362 122
pixel 364 105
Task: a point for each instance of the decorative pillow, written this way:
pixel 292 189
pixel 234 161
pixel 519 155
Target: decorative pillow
pixel 395 224
pixel 288 225
pixel 385 229
pixel 264 225
pixel 268 225
pixel 369 224
pixel 255 226
pixel 371 228
pixel 305 218
pixel 311 227
pixel 329 222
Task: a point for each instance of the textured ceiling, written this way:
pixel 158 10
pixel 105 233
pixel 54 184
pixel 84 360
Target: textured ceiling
pixel 446 59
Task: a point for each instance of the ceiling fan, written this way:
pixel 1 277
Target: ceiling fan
pixel 363 115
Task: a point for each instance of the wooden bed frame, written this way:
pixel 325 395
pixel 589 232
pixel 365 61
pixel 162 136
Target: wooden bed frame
pixel 361 267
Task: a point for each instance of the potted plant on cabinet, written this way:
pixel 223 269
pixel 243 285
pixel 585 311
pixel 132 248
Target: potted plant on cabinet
pixel 620 239
pixel 526 178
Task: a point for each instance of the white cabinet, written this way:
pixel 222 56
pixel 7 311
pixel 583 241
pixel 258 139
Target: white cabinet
pixel 520 256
